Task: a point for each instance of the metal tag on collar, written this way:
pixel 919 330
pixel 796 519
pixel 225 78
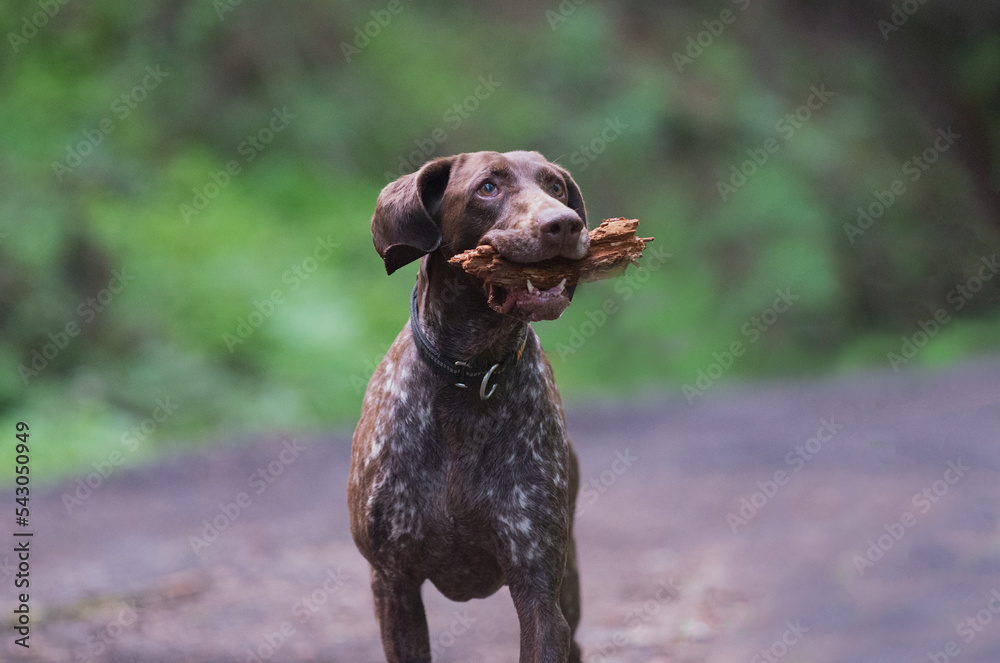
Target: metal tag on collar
pixel 482 386
pixel 461 376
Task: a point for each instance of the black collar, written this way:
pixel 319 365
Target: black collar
pixel 460 371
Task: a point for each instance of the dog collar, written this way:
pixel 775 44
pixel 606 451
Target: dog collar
pixel 460 371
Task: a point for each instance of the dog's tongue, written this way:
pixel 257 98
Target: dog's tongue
pixel 530 305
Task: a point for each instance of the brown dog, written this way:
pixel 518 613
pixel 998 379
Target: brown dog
pixel 461 470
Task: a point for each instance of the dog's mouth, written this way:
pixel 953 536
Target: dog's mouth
pixel 530 304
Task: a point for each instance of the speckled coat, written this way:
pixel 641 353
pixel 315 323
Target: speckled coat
pixel 471 494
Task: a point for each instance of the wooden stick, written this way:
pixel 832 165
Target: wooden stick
pixel 613 247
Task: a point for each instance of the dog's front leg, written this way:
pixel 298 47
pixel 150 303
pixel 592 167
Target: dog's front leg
pixel 399 609
pixel 545 633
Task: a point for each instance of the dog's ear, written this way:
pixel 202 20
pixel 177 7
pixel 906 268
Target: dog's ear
pixel 404 226
pixel 574 198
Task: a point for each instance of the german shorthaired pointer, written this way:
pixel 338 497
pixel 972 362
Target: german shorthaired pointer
pixel 461 470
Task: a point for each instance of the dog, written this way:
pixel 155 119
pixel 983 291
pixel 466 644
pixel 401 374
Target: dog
pixel 461 469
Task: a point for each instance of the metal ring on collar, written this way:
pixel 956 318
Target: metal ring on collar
pixel 486 378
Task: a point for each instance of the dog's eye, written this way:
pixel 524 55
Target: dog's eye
pixel 488 189
pixel 558 189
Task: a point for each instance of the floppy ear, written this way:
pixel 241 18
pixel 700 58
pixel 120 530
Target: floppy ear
pixel 404 227
pixel 574 197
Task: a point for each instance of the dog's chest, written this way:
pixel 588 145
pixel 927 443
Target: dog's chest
pixel 505 463
pixel 458 470
pixel 519 432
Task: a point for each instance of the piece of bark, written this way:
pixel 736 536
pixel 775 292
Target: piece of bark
pixel 613 247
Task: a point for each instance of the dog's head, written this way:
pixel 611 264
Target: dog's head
pixel 527 208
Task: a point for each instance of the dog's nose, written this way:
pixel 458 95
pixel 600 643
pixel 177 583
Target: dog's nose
pixel 560 228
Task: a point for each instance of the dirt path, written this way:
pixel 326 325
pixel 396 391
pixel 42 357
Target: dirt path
pixel 837 555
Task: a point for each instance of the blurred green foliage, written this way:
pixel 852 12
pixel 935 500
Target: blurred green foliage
pixel 207 152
